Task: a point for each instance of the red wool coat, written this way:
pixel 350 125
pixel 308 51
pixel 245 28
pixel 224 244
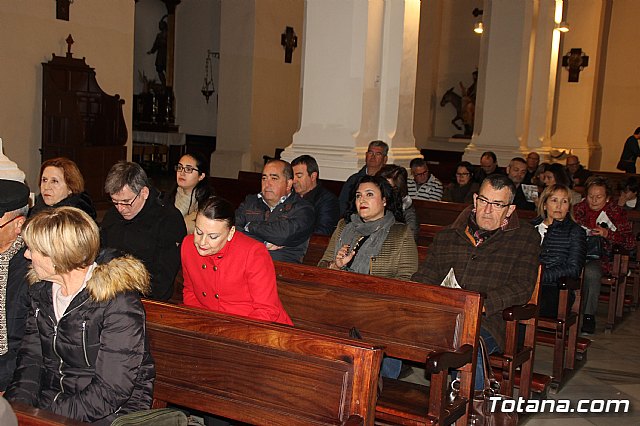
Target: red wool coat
pixel 240 280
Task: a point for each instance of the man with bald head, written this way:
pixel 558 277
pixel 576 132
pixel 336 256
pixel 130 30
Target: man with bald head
pixel 533 161
pixel 516 170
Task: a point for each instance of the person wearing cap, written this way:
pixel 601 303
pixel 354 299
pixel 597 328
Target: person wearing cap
pixel 14 298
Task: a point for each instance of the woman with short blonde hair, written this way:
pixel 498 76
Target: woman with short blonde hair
pixel 84 354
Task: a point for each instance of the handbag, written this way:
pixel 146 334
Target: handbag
pixel 595 249
pixel 486 410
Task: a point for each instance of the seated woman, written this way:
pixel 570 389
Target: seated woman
pixel 557 174
pixel 84 354
pixel 62 184
pixel 192 187
pixel 564 246
pixel 226 271
pixel 372 238
pixel 462 190
pixel 628 198
pixel 607 222
pixel 397 178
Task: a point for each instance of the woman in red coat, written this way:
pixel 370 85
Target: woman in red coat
pixel 226 271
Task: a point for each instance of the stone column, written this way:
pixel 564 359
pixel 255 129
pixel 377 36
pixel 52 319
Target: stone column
pixel 359 75
pixel 516 80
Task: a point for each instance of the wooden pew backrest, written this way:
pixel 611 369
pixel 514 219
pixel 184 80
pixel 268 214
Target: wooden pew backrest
pixel 259 372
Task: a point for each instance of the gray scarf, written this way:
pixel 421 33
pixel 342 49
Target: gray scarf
pixel 4 275
pixel 376 232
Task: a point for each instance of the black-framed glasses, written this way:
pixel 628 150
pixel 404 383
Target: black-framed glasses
pixel 463 174
pixel 125 204
pixel 483 202
pixel 186 169
pixel 420 174
pixel 9 221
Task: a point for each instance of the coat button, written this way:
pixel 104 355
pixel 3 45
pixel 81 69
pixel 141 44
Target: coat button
pixel 204 293
pixel 217 296
pixel 204 266
pixel 215 268
pixel 473 257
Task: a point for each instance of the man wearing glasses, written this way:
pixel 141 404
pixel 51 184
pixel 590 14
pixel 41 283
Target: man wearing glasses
pixel 577 173
pixel 489 251
pixel 14 306
pixel 375 158
pixel 141 225
pixel 424 185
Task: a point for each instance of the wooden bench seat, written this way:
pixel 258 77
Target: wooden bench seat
pixel 434 326
pixel 30 416
pixel 258 372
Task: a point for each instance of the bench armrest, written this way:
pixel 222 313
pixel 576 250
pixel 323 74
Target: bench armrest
pixel 438 362
pixel 519 312
pixel 354 420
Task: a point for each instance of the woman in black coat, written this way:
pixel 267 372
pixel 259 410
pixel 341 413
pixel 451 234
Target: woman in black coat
pixel 84 354
pixel 564 245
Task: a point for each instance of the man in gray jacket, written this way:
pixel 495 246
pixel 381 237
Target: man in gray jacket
pixel 277 216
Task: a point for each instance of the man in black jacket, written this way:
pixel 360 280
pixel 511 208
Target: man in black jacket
pixel 14 306
pixel 306 185
pixel 277 216
pixel 141 225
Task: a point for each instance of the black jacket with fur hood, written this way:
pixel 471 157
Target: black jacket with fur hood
pixel 95 361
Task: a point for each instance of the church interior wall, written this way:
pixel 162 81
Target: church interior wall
pixel 29 34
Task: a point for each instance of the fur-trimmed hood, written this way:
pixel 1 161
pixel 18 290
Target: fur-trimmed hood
pixel 115 276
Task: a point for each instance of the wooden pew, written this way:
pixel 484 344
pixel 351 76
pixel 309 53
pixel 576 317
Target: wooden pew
pixel 30 416
pixel 258 372
pixel 434 326
pixel 445 213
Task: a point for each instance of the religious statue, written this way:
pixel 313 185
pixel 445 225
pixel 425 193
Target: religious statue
pixel 160 49
pixel 464 105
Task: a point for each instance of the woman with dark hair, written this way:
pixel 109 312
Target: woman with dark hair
pixel 628 198
pixel 372 238
pixel 563 248
pixel 607 223
pixel 397 178
pixel 62 184
pixel 192 187
pixel 226 271
pixel 462 190
pixel 556 174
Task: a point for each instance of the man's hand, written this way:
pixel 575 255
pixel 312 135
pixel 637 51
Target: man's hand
pixel 271 246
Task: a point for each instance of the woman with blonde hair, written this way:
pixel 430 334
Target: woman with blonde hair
pixel 62 184
pixel 564 245
pixel 84 354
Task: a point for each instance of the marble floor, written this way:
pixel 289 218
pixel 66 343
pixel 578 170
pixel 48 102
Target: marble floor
pixel 611 371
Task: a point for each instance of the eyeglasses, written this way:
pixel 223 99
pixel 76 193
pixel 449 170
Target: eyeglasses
pixel 463 174
pixel 186 169
pixel 375 154
pixel 125 204
pixel 572 164
pixel 420 174
pixel 9 221
pixel 483 202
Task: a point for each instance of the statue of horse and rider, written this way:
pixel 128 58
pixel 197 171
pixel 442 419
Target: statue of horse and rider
pixel 464 105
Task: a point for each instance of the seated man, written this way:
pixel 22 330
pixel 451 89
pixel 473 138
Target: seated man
pixel 376 157
pixel 14 306
pixel 533 161
pixel 490 251
pixel 141 225
pixel 488 166
pixel 577 173
pixel 516 171
pixel 277 216
pixel 305 181
pixel 424 185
